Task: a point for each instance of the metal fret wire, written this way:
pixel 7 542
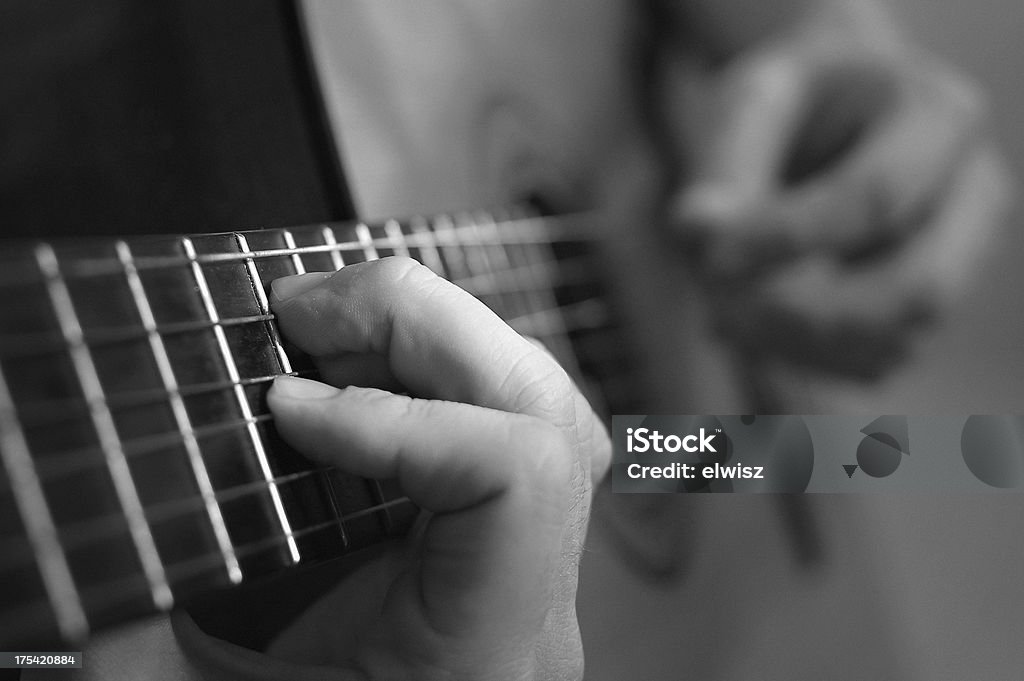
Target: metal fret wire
pixel 445 239
pixel 289 242
pixel 366 242
pixel 510 230
pixel 542 297
pixel 555 314
pixel 497 259
pixel 42 532
pixel 103 421
pixel 398 241
pixel 332 244
pixel 488 264
pixel 243 403
pixel 427 245
pixel 478 260
pixel 188 436
pixel 261 299
pixel 524 292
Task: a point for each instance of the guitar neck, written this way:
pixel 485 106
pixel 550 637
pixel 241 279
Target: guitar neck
pixel 140 463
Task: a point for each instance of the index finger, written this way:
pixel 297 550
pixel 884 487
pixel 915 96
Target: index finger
pixel 438 340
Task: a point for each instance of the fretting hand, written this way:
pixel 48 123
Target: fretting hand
pixel 495 442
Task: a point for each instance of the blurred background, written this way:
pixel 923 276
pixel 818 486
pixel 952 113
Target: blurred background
pixel 960 560
pixel 975 363
pixel 922 586
pixel 957 562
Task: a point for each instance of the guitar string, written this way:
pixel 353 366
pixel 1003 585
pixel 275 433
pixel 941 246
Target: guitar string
pixel 483 285
pixel 95 529
pixel 541 323
pixel 511 231
pixel 533 324
pixel 42 413
pixel 48 412
pixel 587 315
pixel 124 485
pixel 230 365
pixel 573 272
pixel 24 346
pixel 125 590
pixel 78 460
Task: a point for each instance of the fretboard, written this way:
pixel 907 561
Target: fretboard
pixel 140 463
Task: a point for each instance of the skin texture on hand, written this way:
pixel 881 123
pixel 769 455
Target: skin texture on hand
pixel 842 191
pixel 493 440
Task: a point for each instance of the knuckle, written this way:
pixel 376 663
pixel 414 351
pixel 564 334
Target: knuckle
pixel 403 284
pixel 399 272
pixel 408 283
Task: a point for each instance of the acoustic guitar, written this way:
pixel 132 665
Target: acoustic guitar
pixel 140 464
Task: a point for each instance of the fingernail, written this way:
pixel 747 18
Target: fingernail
pixel 297 284
pixel 294 388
